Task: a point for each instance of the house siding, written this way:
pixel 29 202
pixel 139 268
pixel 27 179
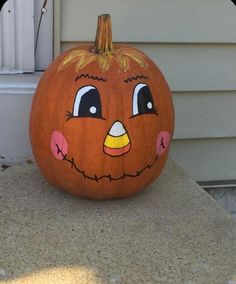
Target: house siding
pixel 194 44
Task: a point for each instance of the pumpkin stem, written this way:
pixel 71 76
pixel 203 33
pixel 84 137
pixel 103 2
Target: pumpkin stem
pixel 103 41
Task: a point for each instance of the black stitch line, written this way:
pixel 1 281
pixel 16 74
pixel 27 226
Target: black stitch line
pixel 135 78
pixel 95 178
pixel 90 77
pixel 162 143
pixel 58 150
pixel 72 163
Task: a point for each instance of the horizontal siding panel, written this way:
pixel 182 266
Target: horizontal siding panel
pixel 205 115
pixel 152 20
pixel 206 159
pixel 192 67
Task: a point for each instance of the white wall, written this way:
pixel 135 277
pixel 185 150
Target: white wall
pixel 193 42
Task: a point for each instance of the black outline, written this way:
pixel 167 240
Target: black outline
pixel 70 116
pixel 138 114
pixel 90 77
pixel 135 78
pixel 156 110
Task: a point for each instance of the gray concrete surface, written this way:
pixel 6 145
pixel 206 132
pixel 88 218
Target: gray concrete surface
pixel 173 232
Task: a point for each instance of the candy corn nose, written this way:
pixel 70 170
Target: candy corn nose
pixel 117 142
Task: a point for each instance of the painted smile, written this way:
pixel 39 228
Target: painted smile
pixel 109 177
pixel 59 148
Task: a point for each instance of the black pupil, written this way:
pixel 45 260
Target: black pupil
pixel 145 101
pixel 90 104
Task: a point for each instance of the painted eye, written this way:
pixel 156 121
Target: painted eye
pixel 87 103
pixel 142 100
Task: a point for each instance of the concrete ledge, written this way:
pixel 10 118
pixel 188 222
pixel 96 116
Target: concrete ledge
pixel 171 233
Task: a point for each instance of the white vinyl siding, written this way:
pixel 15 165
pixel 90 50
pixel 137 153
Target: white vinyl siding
pixel 174 21
pixel 18 27
pixel 17 36
pixel 194 44
pixel 207 159
pixel 18 24
pixel 44 52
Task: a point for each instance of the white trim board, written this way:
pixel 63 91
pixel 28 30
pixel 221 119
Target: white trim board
pixel 19 83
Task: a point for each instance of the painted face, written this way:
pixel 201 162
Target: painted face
pixel 102 134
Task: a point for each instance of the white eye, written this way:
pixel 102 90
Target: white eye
pixel 149 105
pixel 84 90
pixel 142 100
pixel 135 97
pixel 87 103
pixel 93 109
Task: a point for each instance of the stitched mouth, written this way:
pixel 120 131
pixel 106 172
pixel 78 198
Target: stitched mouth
pixel 109 176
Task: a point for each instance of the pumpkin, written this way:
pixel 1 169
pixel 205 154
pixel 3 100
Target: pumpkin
pixel 102 119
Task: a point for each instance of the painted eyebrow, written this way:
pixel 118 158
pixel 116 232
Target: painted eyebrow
pixel 130 79
pixel 90 77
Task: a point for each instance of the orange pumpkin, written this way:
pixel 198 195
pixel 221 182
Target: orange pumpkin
pixel 102 119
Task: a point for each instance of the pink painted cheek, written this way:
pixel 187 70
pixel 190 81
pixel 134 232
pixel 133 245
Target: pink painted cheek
pixel 58 145
pixel 163 141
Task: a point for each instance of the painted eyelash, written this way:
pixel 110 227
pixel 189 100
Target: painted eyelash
pixel 90 77
pixel 135 78
pixel 109 177
pixel 156 110
pixel 69 115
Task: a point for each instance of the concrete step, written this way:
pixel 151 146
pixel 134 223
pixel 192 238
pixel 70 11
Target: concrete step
pixel 173 232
